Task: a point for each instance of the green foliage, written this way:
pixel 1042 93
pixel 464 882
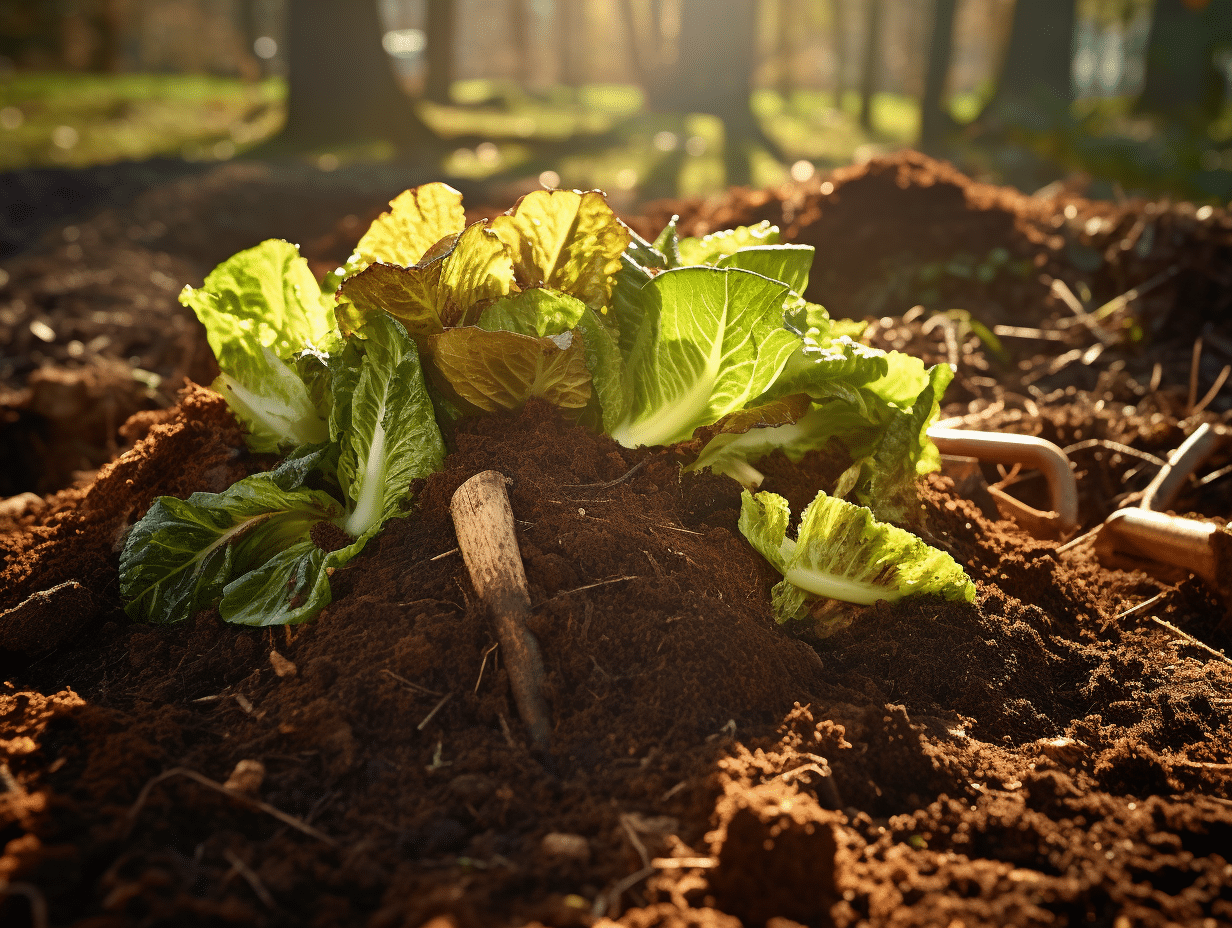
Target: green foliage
pixel 842 552
pixel 555 299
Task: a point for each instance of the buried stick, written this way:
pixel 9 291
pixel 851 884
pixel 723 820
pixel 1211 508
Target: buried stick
pixel 483 521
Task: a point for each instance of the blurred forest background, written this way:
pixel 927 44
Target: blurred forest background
pixel 644 98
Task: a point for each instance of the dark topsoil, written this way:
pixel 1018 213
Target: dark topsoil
pixel 1030 759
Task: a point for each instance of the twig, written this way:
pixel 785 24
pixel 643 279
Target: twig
pixel 1061 290
pixel 635 840
pixel 251 878
pixel 483 664
pixel 611 483
pixel 444 554
pixel 1194 365
pixel 610 901
pixel 1115 446
pixel 1145 604
pixel 410 683
pixel 249 801
pixel 1213 391
pixel 685 863
pixel 1075 542
pixel 435 709
pixel 590 586
pixel 1190 639
pixel 34 895
pixel 1215 475
pixel 676 528
pixel 1129 296
pixel 505 731
pixel 1017 331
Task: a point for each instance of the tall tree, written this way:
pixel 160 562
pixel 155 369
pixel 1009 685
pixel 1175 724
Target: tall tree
pixel 520 14
pixel 934 117
pixel 441 35
pixel 838 40
pixel 1182 81
pixel 341 86
pixel 790 23
pixel 1035 84
pixel 872 58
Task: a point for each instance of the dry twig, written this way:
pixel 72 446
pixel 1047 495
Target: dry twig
pixel 249 801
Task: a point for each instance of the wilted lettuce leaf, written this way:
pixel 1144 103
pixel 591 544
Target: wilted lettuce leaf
pixel 391 436
pixel 566 241
pixel 842 552
pixel 491 371
pixel 418 219
pixel 711 340
pixel 709 248
pixel 411 295
pixel 182 555
pixel 539 312
pixel 260 308
pixel 443 291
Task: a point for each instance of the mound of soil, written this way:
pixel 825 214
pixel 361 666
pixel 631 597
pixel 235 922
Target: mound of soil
pixel 1037 757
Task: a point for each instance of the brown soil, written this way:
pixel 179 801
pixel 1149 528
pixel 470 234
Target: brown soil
pixel 1030 759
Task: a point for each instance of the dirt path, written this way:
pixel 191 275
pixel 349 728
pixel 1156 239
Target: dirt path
pixel 1034 758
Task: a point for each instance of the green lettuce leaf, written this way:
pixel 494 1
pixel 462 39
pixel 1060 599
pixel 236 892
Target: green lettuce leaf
pixel 711 340
pixel 710 248
pixel 842 552
pixel 391 436
pixel 260 309
pixel 564 240
pixel 787 263
pixel 182 555
pixel 540 312
pixel 668 244
pixel 612 390
pixel 418 219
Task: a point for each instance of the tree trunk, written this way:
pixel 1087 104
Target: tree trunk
pixel 341 86
pixel 934 116
pixel 1035 85
pixel 519 26
pixel 440 34
pixel 1181 80
pixel 790 24
pixel 872 57
pixel 838 38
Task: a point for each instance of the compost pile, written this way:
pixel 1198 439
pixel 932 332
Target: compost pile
pixel 1036 757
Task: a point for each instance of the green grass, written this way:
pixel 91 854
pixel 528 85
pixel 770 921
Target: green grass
pixel 74 120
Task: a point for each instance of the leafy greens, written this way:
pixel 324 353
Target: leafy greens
pixel 707 343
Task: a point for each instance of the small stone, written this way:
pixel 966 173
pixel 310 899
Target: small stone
pixel 247 777
pixel 565 846
pixel 282 666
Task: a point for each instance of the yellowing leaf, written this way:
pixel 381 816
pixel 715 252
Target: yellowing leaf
pixel 429 297
pixel 502 370
pixel 564 240
pixel 479 269
pixel 419 218
pixel 409 294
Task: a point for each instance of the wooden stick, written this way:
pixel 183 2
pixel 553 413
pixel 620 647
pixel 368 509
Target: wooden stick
pixel 483 521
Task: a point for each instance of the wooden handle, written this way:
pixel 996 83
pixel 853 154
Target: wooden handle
pixel 483 521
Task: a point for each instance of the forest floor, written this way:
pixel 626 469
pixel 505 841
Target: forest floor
pixel 1043 756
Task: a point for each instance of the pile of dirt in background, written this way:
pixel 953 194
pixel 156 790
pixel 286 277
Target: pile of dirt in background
pixel 1028 759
